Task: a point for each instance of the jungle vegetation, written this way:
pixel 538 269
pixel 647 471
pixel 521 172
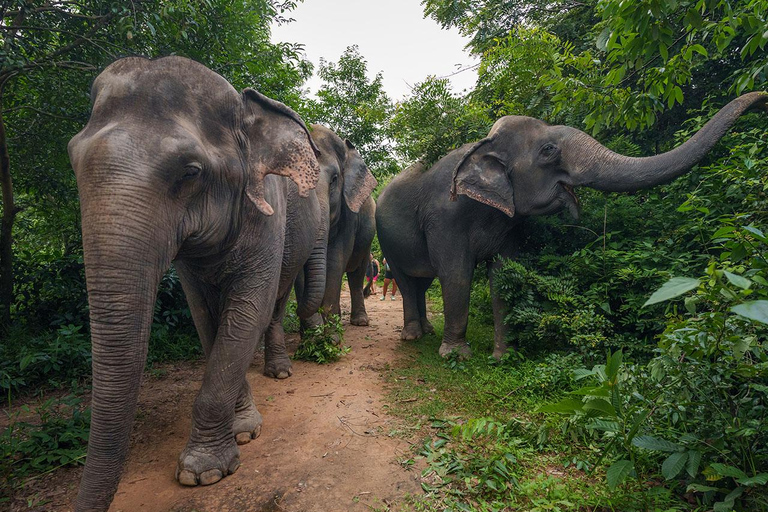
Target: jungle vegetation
pixel 642 370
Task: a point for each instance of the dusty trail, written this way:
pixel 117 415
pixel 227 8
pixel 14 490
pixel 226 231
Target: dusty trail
pixel 324 444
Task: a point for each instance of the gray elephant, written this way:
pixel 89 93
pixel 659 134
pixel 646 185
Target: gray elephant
pixel 175 165
pixel 444 221
pixel 344 190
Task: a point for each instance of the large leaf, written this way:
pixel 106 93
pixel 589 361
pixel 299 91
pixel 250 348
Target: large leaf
pixel 602 407
pixel 672 288
pixel 694 459
pixel 737 280
pixel 618 472
pixel 654 443
pixel 566 406
pixel 725 470
pixel 749 481
pixel 754 310
pixel 674 464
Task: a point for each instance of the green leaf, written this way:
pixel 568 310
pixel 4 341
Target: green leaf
pixel 749 481
pixel 694 460
pixel 591 391
pixel 736 280
pixel 601 406
pixel 758 234
pixel 672 288
pixel 654 443
pixel 725 470
pixel 618 472
pixel 605 426
pixel 674 464
pixel 701 488
pixel 613 365
pixel 754 310
pixel 566 406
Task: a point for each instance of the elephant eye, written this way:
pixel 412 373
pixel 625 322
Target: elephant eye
pixel 335 178
pixel 191 171
pixel 547 149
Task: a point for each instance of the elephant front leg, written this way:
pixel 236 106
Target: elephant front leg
pixel 211 452
pixel 456 290
pixel 248 420
pixel 500 329
pixel 409 293
pixel 359 315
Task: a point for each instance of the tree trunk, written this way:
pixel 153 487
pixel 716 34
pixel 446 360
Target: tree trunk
pixel 6 228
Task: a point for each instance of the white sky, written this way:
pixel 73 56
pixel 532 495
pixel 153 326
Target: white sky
pixel 392 36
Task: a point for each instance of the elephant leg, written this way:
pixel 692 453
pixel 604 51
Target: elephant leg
pixel 211 452
pixel 315 320
pixel 409 291
pixel 500 329
pixel 277 364
pixel 456 290
pixel 424 283
pixel 355 279
pixel 248 421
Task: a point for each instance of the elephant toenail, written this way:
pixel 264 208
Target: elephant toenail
pixel 256 432
pixel 283 375
pixel 243 438
pixel 234 465
pixel 210 477
pixel 187 477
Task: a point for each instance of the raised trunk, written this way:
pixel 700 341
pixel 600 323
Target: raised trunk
pixel 123 270
pixel 593 165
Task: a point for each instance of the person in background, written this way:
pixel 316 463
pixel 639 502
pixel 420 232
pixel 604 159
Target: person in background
pixel 388 277
pixel 371 275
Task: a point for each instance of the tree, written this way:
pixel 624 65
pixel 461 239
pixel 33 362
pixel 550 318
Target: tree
pixel 433 121
pixel 355 107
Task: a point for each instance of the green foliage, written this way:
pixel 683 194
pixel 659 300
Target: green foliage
pixel 432 121
pixel 354 107
pixel 324 343
pixel 547 312
pixel 56 438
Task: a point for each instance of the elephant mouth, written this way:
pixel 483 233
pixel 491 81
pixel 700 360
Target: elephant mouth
pixel 573 206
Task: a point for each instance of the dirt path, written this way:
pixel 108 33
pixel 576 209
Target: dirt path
pixel 324 444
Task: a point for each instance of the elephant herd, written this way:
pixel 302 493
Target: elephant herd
pixel 248 202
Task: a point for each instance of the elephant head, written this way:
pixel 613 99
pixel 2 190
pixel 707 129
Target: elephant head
pixel 343 173
pixel 171 164
pixel 527 167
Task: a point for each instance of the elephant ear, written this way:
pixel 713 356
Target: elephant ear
pixel 481 175
pixel 279 143
pixel 358 180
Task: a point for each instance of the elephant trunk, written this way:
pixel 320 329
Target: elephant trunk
pixel 315 270
pixel 123 271
pixel 593 165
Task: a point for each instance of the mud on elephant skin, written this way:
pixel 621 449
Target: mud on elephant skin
pixel 444 221
pixel 175 165
pixel 344 191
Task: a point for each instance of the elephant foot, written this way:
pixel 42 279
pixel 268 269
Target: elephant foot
pixel 200 465
pixel 411 331
pixel 426 326
pixel 247 424
pixel 359 319
pixel 278 368
pixel 460 348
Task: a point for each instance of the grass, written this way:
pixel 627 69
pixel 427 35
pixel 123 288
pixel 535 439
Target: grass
pixel 484 448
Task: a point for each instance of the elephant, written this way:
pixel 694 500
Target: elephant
pixel 344 190
pixel 174 165
pixel 443 221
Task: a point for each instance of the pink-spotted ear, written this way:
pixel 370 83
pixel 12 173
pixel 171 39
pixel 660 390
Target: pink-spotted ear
pixel 358 180
pixel 278 143
pixel 481 175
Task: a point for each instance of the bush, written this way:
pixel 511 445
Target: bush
pixel 324 343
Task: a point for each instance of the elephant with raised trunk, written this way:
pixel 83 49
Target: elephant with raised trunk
pixel 344 190
pixel 174 165
pixel 444 221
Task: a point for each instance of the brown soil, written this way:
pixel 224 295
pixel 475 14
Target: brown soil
pixel 326 442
